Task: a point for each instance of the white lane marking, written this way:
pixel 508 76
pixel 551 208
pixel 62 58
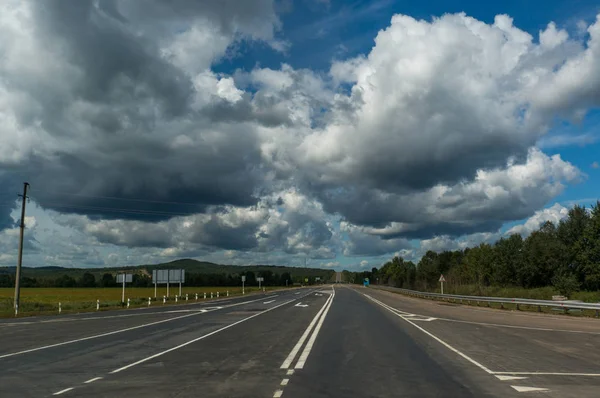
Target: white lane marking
pixel 298 293
pixel 178 311
pixel 301 305
pixel 268 302
pixel 518 327
pixel 93 380
pixel 285 382
pixel 119 331
pixel 528 389
pixel 468 358
pixel 290 358
pixel 63 391
pixel 277 393
pixel 290 372
pixel 548 374
pixel 504 378
pixel 197 339
pixel 311 341
pixel 272 296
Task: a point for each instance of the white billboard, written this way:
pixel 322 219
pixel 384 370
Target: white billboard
pixel 168 276
pixel 128 278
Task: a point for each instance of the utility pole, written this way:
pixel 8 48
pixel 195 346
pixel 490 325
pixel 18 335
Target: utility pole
pixel 20 260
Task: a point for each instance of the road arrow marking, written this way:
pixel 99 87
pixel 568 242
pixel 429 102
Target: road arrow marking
pixel 528 389
pixel 301 305
pixel 504 378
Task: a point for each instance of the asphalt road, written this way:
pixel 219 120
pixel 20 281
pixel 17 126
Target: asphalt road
pixel 312 342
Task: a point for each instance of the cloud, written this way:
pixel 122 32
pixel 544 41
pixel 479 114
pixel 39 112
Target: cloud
pixel 561 140
pixel 554 214
pixel 595 165
pixel 133 142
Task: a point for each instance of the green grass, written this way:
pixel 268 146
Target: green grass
pixel 36 301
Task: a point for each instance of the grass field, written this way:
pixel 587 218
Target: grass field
pixel 35 301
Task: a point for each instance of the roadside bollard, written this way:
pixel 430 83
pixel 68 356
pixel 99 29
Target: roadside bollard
pixel 128 301
pixel 186 297
pixel 175 298
pixel 149 301
pixel 211 295
pixel 164 299
pixel 217 294
pixel 97 305
pixel 17 310
pixel 196 296
pixel 228 293
pixel 59 308
pixel 204 295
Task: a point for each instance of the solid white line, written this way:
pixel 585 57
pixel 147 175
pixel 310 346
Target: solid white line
pixel 63 391
pixel 290 358
pixel 92 380
pixel 268 302
pixel 119 331
pixel 196 339
pixel 277 393
pixel 519 327
pixel 311 341
pixel 548 374
pixel 528 389
pixel 285 382
pixel 474 362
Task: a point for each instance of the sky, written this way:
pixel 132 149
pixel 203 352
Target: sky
pixel 329 133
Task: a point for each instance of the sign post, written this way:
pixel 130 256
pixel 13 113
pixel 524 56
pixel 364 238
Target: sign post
pixel 243 281
pixel 442 280
pixel 124 278
pixel 259 280
pixel 168 276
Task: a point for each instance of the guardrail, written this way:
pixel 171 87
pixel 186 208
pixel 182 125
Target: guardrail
pixel 566 305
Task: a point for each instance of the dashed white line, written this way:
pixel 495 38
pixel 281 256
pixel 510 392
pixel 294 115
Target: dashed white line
pixel 269 302
pixel 63 391
pixel 277 393
pixel 529 389
pixel 196 339
pixel 505 378
pixel 199 312
pixel 311 341
pixel 285 382
pixel 290 372
pixel 290 358
pixel 93 380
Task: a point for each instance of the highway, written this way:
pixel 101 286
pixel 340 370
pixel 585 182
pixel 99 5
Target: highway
pixel 325 341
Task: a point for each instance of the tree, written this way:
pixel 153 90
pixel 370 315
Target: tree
pixel 107 280
pixel 508 259
pixel 87 280
pixel 588 249
pixel 65 281
pixel 427 270
pixel 543 255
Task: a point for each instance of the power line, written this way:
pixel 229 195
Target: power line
pixel 118 198
pixel 114 210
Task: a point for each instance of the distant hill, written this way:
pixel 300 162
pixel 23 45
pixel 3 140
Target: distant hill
pixel 190 266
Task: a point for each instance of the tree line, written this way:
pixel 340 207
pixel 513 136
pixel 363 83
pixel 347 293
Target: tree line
pixel 89 279
pixel 565 256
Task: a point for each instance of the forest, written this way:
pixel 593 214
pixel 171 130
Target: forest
pixel 563 257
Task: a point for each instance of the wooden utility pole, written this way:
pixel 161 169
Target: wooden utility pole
pixel 20 260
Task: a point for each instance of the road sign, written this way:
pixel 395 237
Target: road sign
pixel 128 278
pixel 306 280
pixel 124 278
pixel 168 276
pixel 442 280
pixel 243 278
pixel 317 278
pixel 366 282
